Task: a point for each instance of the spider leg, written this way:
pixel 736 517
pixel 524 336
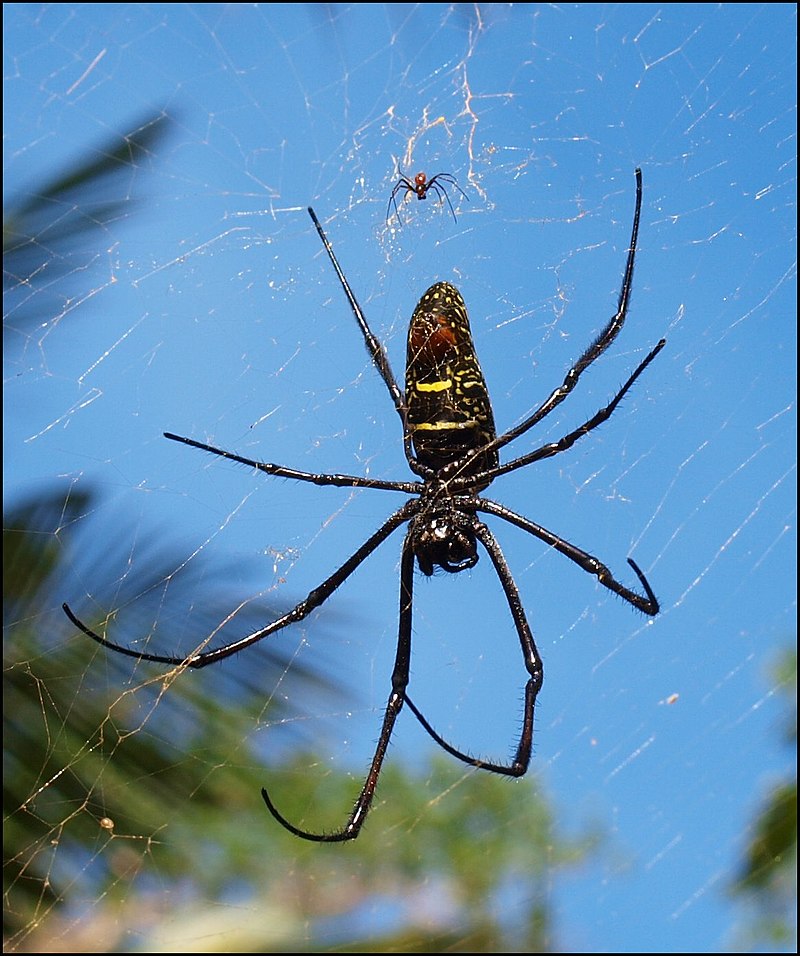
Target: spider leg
pixel 593 352
pixel 589 563
pixel 374 347
pixel 441 192
pixel 393 201
pixel 533 664
pixel 340 481
pixel 312 601
pixel 563 444
pixel 451 181
pixel 400 184
pixel 394 705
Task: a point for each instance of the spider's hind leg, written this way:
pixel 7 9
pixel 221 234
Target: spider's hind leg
pixel 518 766
pixel 533 664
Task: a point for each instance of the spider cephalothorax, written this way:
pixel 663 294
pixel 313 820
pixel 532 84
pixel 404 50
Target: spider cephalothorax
pixel 451 445
pixel 443 536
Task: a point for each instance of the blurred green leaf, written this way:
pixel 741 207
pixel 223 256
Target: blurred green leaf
pixel 767 877
pixel 92 736
pixel 53 230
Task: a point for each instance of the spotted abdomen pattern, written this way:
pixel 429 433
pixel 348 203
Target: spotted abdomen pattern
pixel 449 412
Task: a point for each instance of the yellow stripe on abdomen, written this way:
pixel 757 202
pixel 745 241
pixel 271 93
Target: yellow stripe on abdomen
pixel 434 386
pixel 443 426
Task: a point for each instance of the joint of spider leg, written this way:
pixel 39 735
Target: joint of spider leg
pixel 313 601
pixel 601 572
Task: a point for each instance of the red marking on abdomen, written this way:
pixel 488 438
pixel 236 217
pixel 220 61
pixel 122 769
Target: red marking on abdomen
pixel 432 338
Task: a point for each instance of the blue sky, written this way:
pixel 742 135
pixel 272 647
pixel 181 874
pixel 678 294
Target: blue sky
pixel 210 310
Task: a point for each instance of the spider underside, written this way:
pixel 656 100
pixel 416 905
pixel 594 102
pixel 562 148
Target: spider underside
pixel 451 445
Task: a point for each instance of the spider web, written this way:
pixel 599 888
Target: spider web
pixel 159 160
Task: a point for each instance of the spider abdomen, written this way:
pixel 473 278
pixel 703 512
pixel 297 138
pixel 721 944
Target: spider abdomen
pixel 448 407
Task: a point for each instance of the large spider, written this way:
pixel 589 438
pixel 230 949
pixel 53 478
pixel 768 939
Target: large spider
pixel 421 187
pixel 452 446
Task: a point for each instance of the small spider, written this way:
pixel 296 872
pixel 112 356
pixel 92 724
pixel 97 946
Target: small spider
pixel 420 188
